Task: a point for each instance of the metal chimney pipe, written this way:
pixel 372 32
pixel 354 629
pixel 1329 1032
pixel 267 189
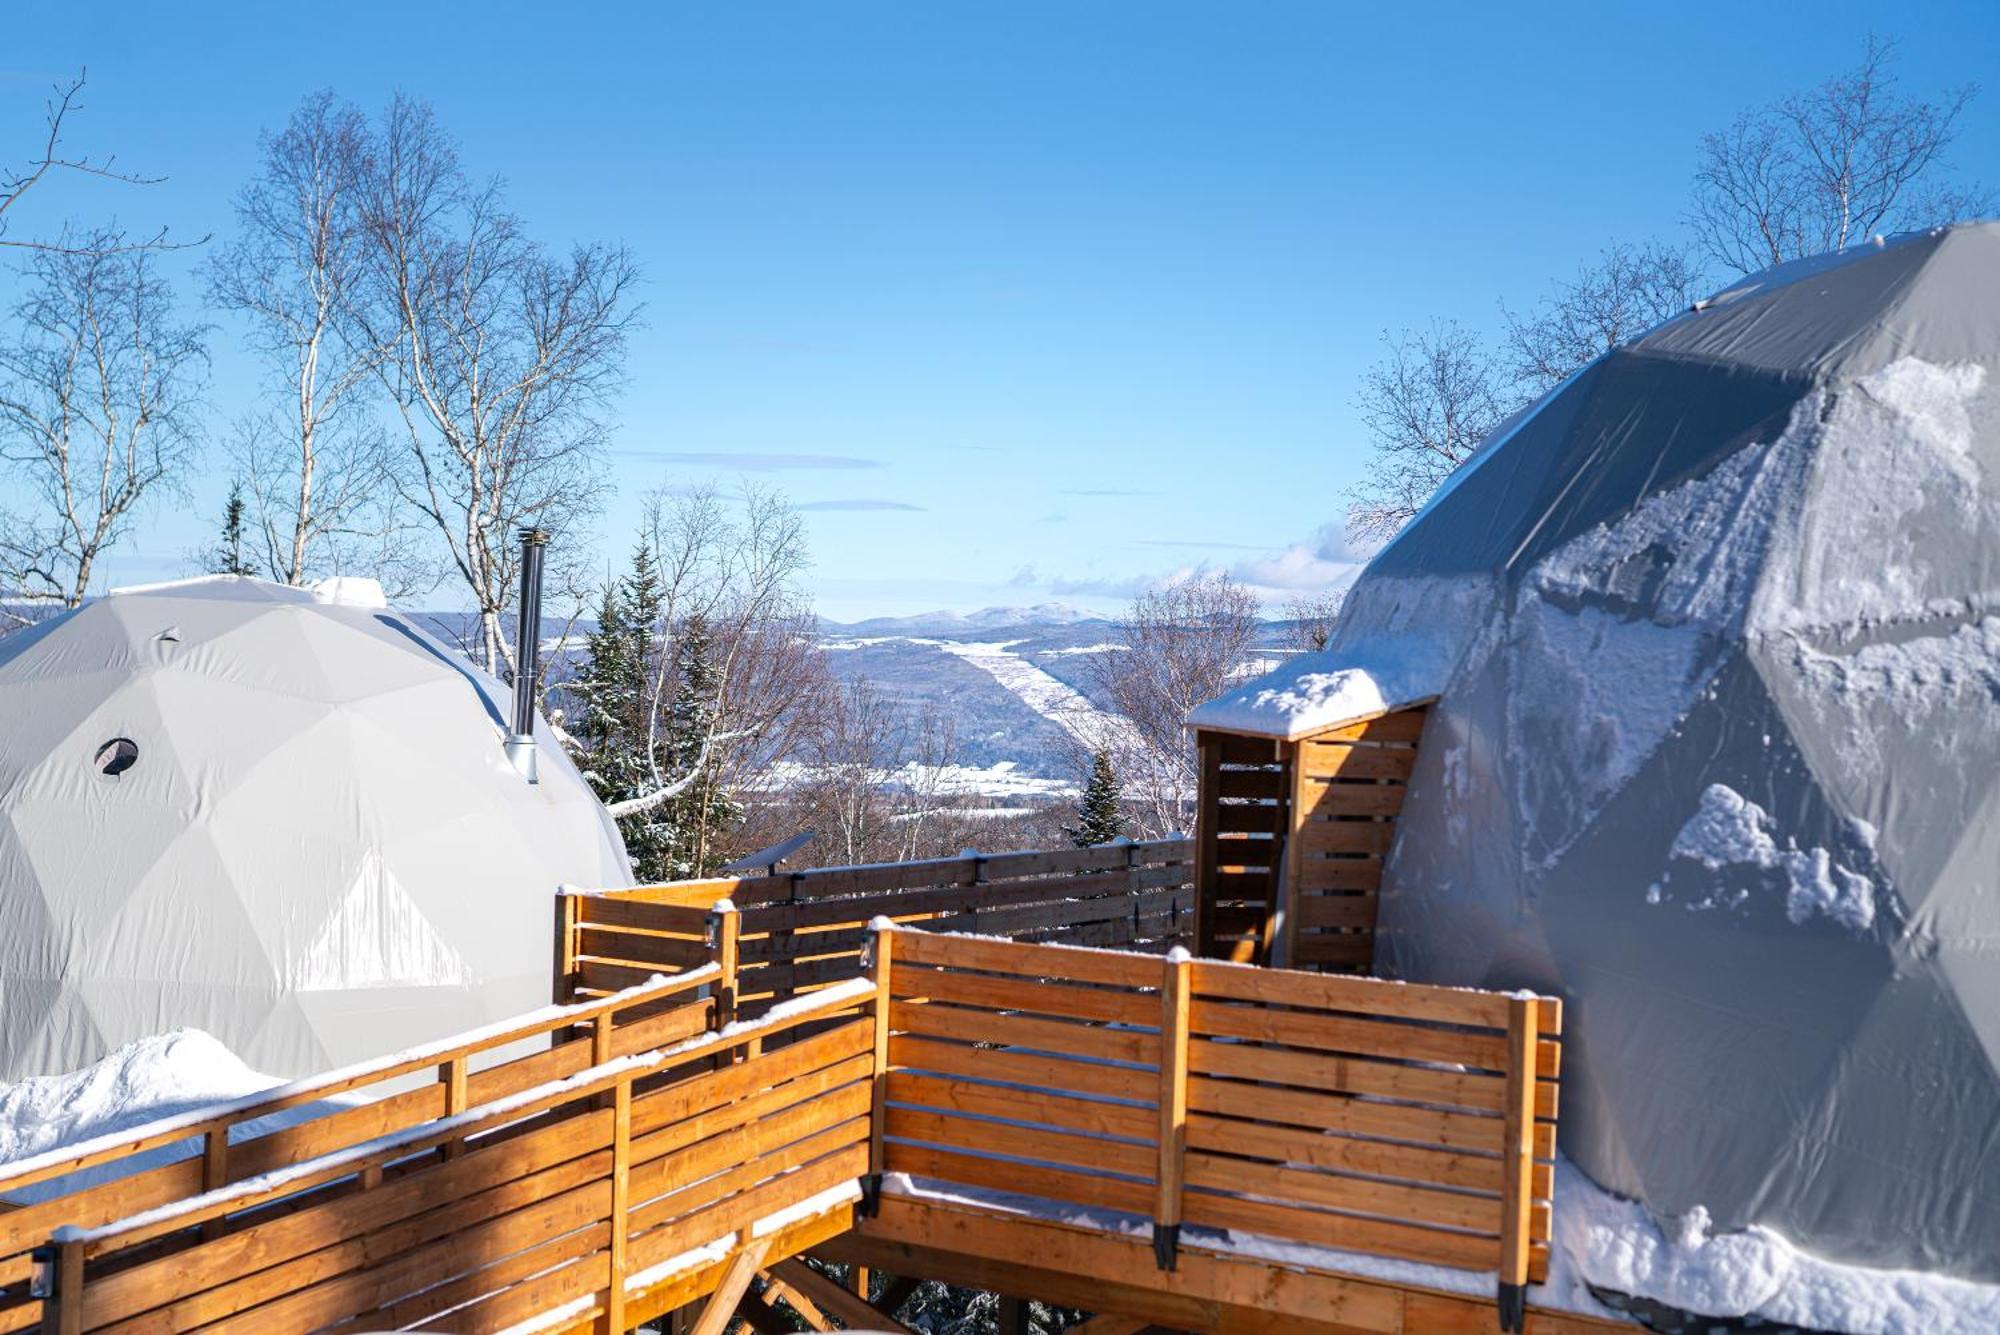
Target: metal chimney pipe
pixel 527 653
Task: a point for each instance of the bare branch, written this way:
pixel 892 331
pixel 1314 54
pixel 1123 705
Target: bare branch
pixel 14 185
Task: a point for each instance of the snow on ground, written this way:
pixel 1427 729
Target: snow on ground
pixel 1060 704
pixel 140 1082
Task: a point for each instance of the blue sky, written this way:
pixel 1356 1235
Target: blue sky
pixel 1021 302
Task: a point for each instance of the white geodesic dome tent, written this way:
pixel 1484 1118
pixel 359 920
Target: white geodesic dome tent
pixel 1713 635
pixel 280 816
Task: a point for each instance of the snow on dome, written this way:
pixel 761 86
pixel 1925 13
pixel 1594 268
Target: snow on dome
pixel 351 591
pixel 283 819
pixel 1716 751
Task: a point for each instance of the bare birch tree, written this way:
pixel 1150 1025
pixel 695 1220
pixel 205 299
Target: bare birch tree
pixel 1310 619
pixel 316 462
pixel 1427 406
pixel 98 409
pixel 1183 645
pixel 505 359
pixel 1623 293
pixel 1824 168
pixel 50 159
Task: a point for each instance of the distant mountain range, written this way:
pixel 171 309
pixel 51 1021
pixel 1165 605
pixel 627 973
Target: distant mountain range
pixel 985 620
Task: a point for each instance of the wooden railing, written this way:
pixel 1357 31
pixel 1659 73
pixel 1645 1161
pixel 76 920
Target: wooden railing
pixel 1340 1113
pixel 598 1199
pixel 799 930
pixel 174 1159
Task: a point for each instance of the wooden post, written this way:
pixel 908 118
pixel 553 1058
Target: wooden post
pixel 724 932
pixel 214 1173
pixel 1013 1316
pixel 1208 795
pixel 1281 939
pixel 562 989
pixel 881 968
pixel 452 1075
pixel 1175 985
pixel 1518 1149
pixel 621 1194
pixel 602 1029
pixel 62 1302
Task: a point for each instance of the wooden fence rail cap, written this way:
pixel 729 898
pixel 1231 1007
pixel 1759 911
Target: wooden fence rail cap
pixel 66 1159
pixel 176 1215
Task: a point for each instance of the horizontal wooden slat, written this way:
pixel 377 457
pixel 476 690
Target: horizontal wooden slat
pixel 1317 1148
pixel 1066 1000
pixel 1333 800
pixel 1016 1142
pixel 1321 872
pixel 1347 1033
pixel 1089 966
pixel 1352 950
pixel 1078 1040
pixel 1434 1246
pixel 1349 1075
pixel 1135 1084
pixel 1403 725
pixel 1349 1116
pixel 1316 911
pixel 1400 1201
pixel 669 952
pixel 1319 761
pixel 1347 836
pixel 614 912
pixel 1111 1193
pixel 1093 1116
pixel 1416 1001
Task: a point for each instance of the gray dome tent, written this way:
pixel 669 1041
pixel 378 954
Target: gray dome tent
pixel 1714 635
pixel 274 815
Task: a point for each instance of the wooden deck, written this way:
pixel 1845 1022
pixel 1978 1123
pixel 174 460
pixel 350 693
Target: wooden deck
pixel 1147 1108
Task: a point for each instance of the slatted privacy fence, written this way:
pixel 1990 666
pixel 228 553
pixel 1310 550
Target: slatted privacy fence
pixel 1292 839
pixel 606 1196
pixel 801 930
pixel 1024 1068
pixel 171 1160
pixel 1396 1120
pixel 1347 788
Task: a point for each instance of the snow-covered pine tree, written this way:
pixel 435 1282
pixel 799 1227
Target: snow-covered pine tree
pixel 1099 819
pixel 702 812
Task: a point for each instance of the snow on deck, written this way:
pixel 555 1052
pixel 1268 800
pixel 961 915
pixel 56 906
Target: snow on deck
pixel 1600 1241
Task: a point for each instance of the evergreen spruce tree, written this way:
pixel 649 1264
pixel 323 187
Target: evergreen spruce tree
pixel 612 691
pixel 1097 811
pixel 703 812
pixel 227 557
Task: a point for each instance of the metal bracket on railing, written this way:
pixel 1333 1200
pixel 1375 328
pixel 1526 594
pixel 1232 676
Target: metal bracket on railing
pixel 1513 1308
pixel 871 1196
pixel 1166 1245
